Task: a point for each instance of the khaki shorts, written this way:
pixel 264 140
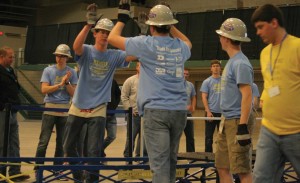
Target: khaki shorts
pixel 229 154
pixel 61 106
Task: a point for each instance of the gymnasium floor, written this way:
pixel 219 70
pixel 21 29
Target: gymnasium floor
pixel 30 130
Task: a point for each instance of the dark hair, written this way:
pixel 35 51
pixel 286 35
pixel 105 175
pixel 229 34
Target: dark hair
pixel 235 42
pixel 215 62
pixel 163 29
pixel 266 13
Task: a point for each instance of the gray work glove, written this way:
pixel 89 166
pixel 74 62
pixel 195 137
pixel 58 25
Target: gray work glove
pixel 242 135
pixel 124 11
pixel 91 14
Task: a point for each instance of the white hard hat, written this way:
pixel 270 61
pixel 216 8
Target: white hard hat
pixel 161 15
pixel 104 24
pixel 63 49
pixel 235 29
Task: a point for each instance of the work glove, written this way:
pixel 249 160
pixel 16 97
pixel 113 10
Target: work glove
pixel 242 135
pixel 91 14
pixel 141 21
pixel 124 11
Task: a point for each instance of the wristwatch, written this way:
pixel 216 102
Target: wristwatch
pixel 67 83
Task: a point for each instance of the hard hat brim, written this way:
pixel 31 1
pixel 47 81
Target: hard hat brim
pixel 236 38
pixel 149 22
pixel 59 53
pixel 93 29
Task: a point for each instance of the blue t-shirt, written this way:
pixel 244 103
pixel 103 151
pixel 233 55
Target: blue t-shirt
pixel 53 76
pixel 190 91
pixel 237 71
pixel 212 86
pixel 96 75
pixel 162 59
pixel 255 91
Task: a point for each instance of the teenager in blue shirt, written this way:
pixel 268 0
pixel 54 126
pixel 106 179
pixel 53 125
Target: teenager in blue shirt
pixel 58 84
pixel 233 152
pixel 211 96
pixel 97 66
pixel 162 97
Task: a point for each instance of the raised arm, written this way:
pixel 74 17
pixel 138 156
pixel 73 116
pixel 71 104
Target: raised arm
pixel 115 38
pixel 91 17
pixel 177 34
pixel 80 39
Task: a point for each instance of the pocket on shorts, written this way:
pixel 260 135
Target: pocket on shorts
pixel 240 159
pixel 237 148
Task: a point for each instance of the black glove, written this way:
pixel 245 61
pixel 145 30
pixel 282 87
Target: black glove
pixel 91 14
pixel 242 135
pixel 124 11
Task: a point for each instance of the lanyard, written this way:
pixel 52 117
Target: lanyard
pixel 272 70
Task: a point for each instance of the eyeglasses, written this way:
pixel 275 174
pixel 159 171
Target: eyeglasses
pixel 61 56
pixel 102 31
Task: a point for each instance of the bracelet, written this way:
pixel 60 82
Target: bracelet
pixel 67 83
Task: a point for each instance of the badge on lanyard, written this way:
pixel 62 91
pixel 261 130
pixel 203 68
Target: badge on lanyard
pixel 273 91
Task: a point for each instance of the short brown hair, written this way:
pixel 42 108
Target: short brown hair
pixel 3 50
pixel 215 62
pixel 266 13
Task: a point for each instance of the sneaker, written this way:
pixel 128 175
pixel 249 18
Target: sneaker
pixel 20 178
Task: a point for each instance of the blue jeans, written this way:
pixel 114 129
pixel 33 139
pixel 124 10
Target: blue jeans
pixel 14 143
pixel 163 129
pixel 48 123
pixel 95 130
pixel 136 127
pixel 111 132
pixel 272 153
pixel 189 135
pixel 81 149
pixel 210 127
